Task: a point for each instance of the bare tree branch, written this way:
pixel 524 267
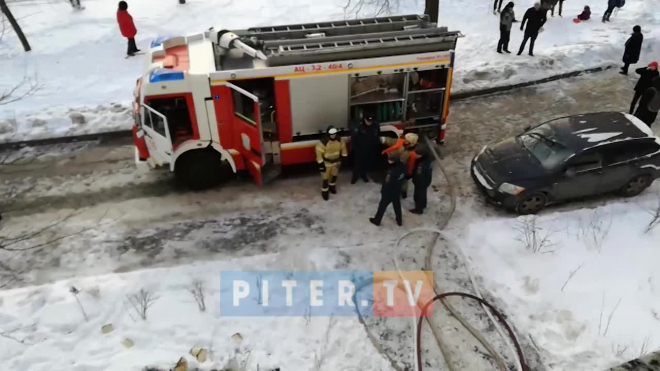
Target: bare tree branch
pixel 656 217
pixel 379 7
pixel 197 290
pixel 571 276
pixel 609 319
pixel 6 242
pixel 141 302
pixel 3 25
pixel 27 86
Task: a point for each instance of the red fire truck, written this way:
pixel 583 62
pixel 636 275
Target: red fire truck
pixel 261 98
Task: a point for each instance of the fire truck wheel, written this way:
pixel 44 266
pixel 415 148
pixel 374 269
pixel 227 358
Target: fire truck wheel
pixel 199 169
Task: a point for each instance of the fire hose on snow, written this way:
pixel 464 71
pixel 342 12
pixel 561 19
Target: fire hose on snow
pixel 489 308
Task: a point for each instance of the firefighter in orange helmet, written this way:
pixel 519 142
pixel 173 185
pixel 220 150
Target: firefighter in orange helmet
pixel 406 148
pixel 329 152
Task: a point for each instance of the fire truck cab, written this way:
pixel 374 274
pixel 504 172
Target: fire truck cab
pixel 261 98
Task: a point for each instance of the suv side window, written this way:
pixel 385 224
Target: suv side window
pixel 616 153
pixel 585 161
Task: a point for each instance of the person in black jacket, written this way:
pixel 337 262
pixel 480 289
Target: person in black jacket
pixel 633 49
pixel 422 177
pixel 646 75
pixel 643 112
pixel 561 6
pixel 390 192
pixel 496 6
pixel 506 21
pixel 611 4
pixel 365 142
pixel 534 17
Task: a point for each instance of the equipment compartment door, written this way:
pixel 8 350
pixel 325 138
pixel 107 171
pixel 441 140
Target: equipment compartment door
pixel 247 129
pixel 157 135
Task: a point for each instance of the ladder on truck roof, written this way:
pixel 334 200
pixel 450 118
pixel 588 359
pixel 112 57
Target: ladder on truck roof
pixel 357 46
pixel 337 28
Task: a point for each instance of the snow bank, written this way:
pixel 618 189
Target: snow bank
pixel 56 335
pixel 589 297
pixel 78 56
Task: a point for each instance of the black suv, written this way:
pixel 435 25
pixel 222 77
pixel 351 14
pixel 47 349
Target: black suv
pixel 567 158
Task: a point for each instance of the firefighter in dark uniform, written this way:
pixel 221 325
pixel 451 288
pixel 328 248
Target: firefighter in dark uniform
pixel 329 152
pixel 390 192
pixel 422 175
pixel 406 148
pixel 365 142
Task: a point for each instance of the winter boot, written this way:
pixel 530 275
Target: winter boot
pixel 418 212
pixel 333 187
pixel 399 223
pixel 365 178
pixel 324 190
pixel 374 222
pixel 354 179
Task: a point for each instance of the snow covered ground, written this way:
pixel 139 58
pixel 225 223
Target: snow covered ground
pixel 129 231
pixel 78 56
pixel 589 294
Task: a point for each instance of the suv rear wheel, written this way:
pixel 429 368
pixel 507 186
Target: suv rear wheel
pixel 636 186
pixel 532 204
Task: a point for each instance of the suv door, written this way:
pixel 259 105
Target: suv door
pixel 622 161
pixel 579 176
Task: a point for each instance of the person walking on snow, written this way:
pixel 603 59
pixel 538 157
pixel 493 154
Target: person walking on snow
pixel 329 152
pixel 611 4
pixel 535 21
pixel 649 104
pixel 646 76
pixel 633 49
pixel 406 148
pixel 561 6
pixel 507 17
pixel 497 7
pixel 76 4
pixel 422 177
pixel 366 143
pixel 391 189
pixel 127 28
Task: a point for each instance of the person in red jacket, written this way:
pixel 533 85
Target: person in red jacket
pixel 127 28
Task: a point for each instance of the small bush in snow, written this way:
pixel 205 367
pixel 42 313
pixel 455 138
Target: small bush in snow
pixel 533 236
pixel 656 218
pixel 197 290
pixel 620 350
pixel 594 229
pixel 141 302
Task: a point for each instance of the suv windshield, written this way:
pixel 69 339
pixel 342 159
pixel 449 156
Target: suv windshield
pixel 544 145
